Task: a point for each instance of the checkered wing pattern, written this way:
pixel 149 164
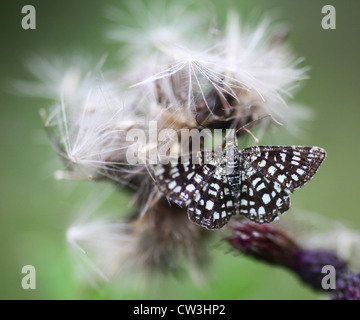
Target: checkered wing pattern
pixel 200 185
pixel 179 181
pixel 270 174
pixel 255 182
pixel 213 204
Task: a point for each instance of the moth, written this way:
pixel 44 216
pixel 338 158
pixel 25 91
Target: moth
pixel 255 182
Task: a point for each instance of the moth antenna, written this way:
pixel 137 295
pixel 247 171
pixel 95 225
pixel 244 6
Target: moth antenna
pixel 251 122
pixel 249 132
pixel 244 127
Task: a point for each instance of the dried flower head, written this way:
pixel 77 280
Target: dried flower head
pixel 272 245
pixel 156 241
pixel 262 242
pixel 348 287
pixel 245 76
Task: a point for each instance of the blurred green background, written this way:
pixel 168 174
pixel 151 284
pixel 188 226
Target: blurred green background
pixel 35 210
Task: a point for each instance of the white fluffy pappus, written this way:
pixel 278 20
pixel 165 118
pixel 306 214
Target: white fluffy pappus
pixel 90 118
pixel 252 66
pixel 153 32
pixel 156 242
pixel 103 245
pixel 259 58
pixel 56 76
pixel 170 50
pixel 88 121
